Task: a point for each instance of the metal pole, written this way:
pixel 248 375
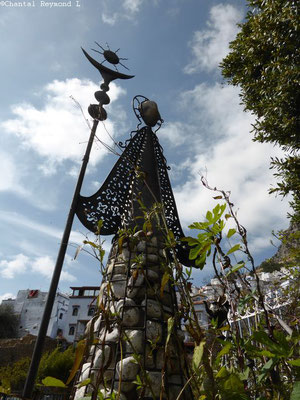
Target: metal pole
pixel 37 352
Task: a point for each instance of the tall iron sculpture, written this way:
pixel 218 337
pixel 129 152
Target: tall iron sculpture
pixel 134 352
pixel 98 113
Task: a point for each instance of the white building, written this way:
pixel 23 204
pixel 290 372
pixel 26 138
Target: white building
pixel 272 286
pixel 29 307
pixel 82 306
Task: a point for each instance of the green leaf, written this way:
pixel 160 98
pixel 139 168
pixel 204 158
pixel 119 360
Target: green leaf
pixel 164 281
pixel 101 253
pixel 194 252
pixel 190 240
pixel 231 232
pixel 197 356
pixel 234 384
pixel 199 225
pixel 266 353
pixel 100 224
pixel 245 374
pixel 49 381
pixel 100 396
pixel 170 236
pixel 266 368
pixel 200 261
pixel 218 197
pixel 296 391
pixel 284 344
pixel 295 363
pixel 171 321
pixel 91 244
pixel 138 382
pixel 222 373
pixel 236 268
pixel 84 383
pixel 80 349
pixel 233 249
pixel 281 349
pixel 225 350
pixel 225 328
pixel 209 216
pixel 189 271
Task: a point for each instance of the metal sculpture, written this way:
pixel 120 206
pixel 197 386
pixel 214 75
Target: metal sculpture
pixel 112 203
pixel 110 56
pixel 132 340
pixel 98 113
pixel 131 337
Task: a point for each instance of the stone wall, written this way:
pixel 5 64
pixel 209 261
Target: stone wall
pixel 12 350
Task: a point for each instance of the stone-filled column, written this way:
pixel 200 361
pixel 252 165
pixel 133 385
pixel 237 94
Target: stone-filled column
pixel 129 355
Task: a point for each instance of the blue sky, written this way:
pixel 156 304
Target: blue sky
pixel 173 49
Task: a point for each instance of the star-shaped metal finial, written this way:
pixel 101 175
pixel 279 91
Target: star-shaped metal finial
pixel 110 56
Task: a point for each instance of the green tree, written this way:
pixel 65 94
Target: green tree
pixel 56 364
pixel 13 376
pixel 8 322
pixel 264 61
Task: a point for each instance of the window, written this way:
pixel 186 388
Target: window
pixel 71 330
pixel 75 311
pixel 91 311
pixel 89 292
pixel 60 315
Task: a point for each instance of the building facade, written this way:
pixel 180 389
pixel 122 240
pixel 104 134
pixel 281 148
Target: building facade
pixel 82 306
pixel 29 307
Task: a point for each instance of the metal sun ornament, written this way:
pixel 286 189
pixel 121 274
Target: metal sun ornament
pixel 110 56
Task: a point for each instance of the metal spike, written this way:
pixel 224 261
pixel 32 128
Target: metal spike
pixel 123 65
pixel 99 46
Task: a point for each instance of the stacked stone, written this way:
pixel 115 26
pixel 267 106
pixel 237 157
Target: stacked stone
pixel 129 355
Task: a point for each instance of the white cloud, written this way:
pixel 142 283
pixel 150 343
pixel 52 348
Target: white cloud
pixel 11 178
pixel 221 146
pixel 45 266
pixel 219 136
pixel 129 10
pixel 133 6
pixel 210 46
pixel 20 263
pixel 174 132
pixel 21 221
pixel 110 19
pixel 8 180
pixel 15 266
pixel 57 131
pixel 6 296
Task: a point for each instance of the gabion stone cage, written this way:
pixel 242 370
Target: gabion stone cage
pixel 132 354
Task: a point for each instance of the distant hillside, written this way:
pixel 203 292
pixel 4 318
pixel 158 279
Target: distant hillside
pixel 288 253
